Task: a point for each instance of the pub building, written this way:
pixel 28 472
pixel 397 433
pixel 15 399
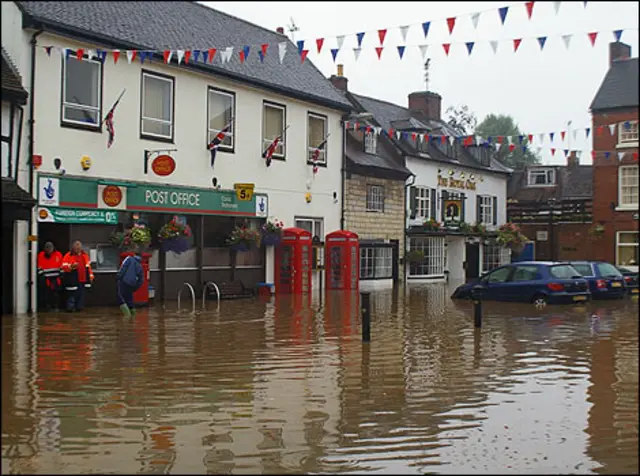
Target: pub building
pixel 76 208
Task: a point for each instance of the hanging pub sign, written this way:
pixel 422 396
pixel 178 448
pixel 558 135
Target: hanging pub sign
pixel 452 210
pixel 163 165
pixel 450 182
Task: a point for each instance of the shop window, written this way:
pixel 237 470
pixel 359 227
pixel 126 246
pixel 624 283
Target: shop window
pixel 216 230
pixel 494 256
pixel 157 106
pixel 222 106
pixel 376 262
pixel 628 186
pixel 433 263
pixel 82 91
pixel 253 257
pixel 627 248
pixel 316 134
pixel 273 125
pixel 189 258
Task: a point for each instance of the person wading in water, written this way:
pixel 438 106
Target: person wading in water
pixel 129 279
pixel 49 262
pixel 77 276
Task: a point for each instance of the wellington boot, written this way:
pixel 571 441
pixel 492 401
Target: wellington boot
pixel 125 310
pixel 133 311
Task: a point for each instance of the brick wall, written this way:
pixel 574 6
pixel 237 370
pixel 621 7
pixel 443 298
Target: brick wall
pixel 605 182
pixel 374 225
pixel 571 241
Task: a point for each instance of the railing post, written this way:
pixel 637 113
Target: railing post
pixel 365 306
pixel 476 295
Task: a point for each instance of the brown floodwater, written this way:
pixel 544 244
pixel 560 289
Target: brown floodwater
pixel 287 386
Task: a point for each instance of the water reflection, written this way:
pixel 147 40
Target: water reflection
pixel 287 386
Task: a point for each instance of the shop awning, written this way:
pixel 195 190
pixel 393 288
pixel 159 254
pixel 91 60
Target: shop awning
pixel 16 202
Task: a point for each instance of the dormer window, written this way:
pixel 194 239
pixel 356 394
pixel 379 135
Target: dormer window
pixel 542 177
pixel 370 143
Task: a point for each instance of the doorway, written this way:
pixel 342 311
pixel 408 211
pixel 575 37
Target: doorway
pixel 472 262
pixel 57 233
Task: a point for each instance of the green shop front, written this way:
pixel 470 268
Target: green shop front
pixel 91 210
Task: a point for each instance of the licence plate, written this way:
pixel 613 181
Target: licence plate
pixel 616 285
pixel 634 291
pixel 579 298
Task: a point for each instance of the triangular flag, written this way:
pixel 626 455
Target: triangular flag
pixel 241 54
pixel 414 136
pixel 494 46
pixel 530 137
pixel 423 50
pixel 212 54
pixel 381 35
pixel 524 149
pixel 586 132
pixel 551 134
pixel 340 41
pixel 529 6
pixel 131 55
pixel 620 156
pixel 166 54
pixel 503 13
pixel 470 46
pixel 263 49
pixel 303 55
pixel 379 51
pixel 65 53
pixel 599 130
pixel 425 28
pixel 116 56
pixel 452 139
pixel 562 134
pixel 541 137
pixel 48 50
pixel 319 43
pixel 451 22
pixel 612 128
pixel 475 18
pixel 567 40
pixel 443 139
pixel 228 52
pixel 360 36
pixel 334 53
pixel 607 154
pixel 356 52
pixel 489 139
pixel 542 40
pixel 282 49
pixel 143 56
pixel 196 55
pixel 499 138
pixel 80 54
pixel 520 139
pixel 635 156
pixel 593 155
pixel 510 139
pixel 446 47
pixel 556 5
pixel 512 147
pixel 398 135
pixel 516 44
pixel 180 54
pixel 261 56
pixel 617 34
pixel 566 152
pixel 403 31
pixel 553 151
pixel 187 55
pixel 102 54
pixel 401 51
pixel 585 3
pixel 300 46
pixel 91 54
pixel 246 51
pixel 592 37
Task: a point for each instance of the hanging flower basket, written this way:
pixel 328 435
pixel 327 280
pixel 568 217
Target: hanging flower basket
pixel 509 236
pixel 137 236
pixel 271 239
pixel 432 225
pixel 174 236
pixel 240 247
pixel 243 239
pixel 271 232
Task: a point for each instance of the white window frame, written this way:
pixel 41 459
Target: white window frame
pixel 322 157
pixel 494 254
pixel 622 205
pixel 436 251
pixel 211 133
pixel 143 118
pixel 375 198
pixel 486 218
pixel 66 103
pixel 633 267
pixel 628 138
pixel 378 260
pixel 370 143
pixel 549 181
pixel 423 203
pixel 266 142
pixel 317 225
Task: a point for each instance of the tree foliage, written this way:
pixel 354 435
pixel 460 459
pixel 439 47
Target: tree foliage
pixel 504 125
pixel 462 119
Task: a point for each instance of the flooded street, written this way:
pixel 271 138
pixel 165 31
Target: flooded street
pixel 287 386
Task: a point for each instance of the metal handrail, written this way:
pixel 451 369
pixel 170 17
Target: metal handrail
pixel 204 294
pixel 193 295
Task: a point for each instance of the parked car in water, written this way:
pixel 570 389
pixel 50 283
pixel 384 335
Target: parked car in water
pixel 630 279
pixel 605 280
pixel 538 282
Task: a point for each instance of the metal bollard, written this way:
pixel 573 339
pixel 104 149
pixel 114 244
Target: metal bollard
pixel 476 295
pixel 365 306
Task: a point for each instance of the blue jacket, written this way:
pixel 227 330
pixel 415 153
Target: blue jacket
pixel 131 272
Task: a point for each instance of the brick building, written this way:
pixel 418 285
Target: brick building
pixel 615 175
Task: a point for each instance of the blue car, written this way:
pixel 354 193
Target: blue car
pixel 537 282
pixel 605 280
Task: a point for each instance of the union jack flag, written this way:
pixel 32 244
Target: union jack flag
pixel 268 153
pixel 217 140
pixel 108 120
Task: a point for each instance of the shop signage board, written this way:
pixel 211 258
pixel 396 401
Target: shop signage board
pixel 76 216
pixel 455 183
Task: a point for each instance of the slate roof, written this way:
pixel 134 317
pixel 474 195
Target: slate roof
pixel 389 115
pixel 619 87
pixel 381 160
pixel 11 81
pixel 571 183
pixel 154 25
pixel 13 193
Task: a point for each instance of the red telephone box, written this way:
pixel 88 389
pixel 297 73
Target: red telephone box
pixel 141 296
pixel 342 260
pixel 293 262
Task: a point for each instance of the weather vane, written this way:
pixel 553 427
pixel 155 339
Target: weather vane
pixel 426 74
pixel 292 29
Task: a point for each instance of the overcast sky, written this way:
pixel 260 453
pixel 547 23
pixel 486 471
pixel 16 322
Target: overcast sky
pixel 542 90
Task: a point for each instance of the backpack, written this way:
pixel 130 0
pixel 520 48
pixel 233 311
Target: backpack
pixel 131 272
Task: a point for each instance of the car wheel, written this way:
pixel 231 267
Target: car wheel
pixel 539 301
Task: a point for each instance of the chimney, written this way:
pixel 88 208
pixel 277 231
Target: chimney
pixel 280 30
pixel 427 103
pixel 618 51
pixel 572 159
pixel 339 81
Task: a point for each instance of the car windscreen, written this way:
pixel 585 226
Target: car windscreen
pixel 608 270
pixel 564 271
pixel 584 269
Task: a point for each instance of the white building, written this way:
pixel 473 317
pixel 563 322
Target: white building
pixel 174 110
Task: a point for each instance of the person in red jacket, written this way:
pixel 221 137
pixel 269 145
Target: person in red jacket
pixel 77 276
pixel 49 262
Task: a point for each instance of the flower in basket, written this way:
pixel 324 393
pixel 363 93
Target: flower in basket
pixel 465 228
pixel 271 232
pixel 243 238
pixel 138 235
pixel 415 256
pixel 509 235
pixel 175 236
pixel 432 225
pixel 479 228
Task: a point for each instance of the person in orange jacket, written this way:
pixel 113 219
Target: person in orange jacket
pixel 49 262
pixel 77 276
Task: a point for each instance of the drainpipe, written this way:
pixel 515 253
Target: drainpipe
pixel 18 145
pixel 343 171
pixel 404 264
pixel 31 172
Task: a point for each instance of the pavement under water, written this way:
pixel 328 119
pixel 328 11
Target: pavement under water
pixel 287 386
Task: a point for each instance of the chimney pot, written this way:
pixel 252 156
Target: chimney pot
pixel 280 30
pixel 572 159
pixel 341 70
pixel 338 80
pixel 618 51
pixel 427 103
